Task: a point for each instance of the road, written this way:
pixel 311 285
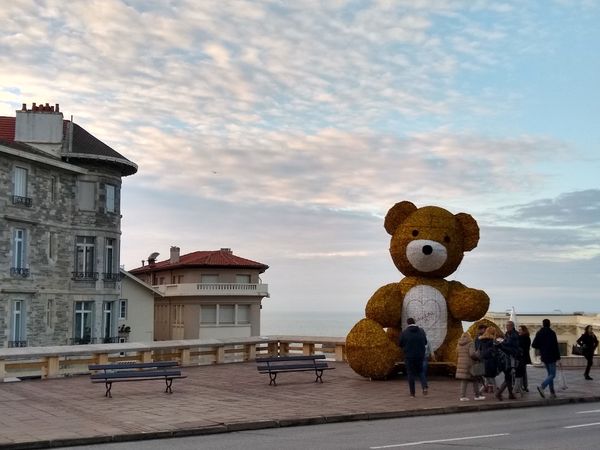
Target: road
pixel 572 426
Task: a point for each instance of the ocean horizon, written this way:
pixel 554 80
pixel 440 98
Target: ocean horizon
pixel 308 323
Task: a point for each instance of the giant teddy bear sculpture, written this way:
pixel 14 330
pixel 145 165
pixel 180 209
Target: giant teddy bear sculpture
pixel 427 245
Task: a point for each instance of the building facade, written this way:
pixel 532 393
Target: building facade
pixel 60 231
pixel 205 294
pixel 568 326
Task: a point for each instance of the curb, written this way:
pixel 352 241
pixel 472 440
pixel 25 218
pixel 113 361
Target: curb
pixel 301 421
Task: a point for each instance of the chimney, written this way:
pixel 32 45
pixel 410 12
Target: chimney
pixel 41 126
pixel 174 255
pixel 226 250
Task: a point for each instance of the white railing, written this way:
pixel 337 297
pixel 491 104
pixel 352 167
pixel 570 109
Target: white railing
pixel 192 289
pixel 57 361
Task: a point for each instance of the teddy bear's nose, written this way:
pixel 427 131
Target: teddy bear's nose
pixel 427 249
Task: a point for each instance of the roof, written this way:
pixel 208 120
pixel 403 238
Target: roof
pixel 140 282
pixel 85 146
pixel 223 258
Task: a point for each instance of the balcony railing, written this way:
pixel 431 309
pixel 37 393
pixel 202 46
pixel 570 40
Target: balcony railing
pixel 18 200
pixel 19 272
pixel 111 276
pixel 85 276
pixel 229 289
pixel 14 344
pixel 82 340
pixel 110 340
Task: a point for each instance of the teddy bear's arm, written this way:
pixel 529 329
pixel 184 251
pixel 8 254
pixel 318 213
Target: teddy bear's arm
pixel 467 303
pixel 385 305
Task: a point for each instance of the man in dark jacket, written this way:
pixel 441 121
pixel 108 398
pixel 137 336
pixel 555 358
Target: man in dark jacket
pixel 510 346
pixel 413 341
pixel 545 341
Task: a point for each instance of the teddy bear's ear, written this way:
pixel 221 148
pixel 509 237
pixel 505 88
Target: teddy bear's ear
pixel 398 214
pixel 470 231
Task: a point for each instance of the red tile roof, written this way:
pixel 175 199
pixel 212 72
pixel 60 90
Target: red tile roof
pixel 216 258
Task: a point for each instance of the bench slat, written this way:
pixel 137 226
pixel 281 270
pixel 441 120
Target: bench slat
pixel 118 380
pixel 135 374
pixel 291 366
pixel 290 358
pixel 132 365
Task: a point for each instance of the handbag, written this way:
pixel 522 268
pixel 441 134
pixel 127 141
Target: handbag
pixel 477 369
pixel 577 350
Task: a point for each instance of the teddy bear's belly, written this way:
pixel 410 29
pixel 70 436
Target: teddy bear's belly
pixel 427 306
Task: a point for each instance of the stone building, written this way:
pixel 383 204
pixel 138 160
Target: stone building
pixel 60 231
pixel 205 294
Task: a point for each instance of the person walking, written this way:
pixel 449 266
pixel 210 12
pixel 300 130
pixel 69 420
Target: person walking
pixel 413 341
pixel 487 353
pixel 477 343
pixel 588 342
pixel 546 342
pixel 525 344
pixel 510 346
pixel 467 355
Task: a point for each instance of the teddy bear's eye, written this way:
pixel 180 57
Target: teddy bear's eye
pixel 447 239
pixel 415 233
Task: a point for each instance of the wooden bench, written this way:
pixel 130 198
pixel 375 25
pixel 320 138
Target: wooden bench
pixel 135 371
pixel 294 363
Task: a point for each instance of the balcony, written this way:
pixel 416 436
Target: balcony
pixel 114 277
pixel 83 340
pixel 19 272
pixel 214 289
pixel 23 201
pixel 85 276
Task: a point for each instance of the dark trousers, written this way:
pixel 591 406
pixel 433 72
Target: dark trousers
pixel 590 359
pixel 414 369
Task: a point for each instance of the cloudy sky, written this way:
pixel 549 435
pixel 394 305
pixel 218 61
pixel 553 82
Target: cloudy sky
pixel 286 130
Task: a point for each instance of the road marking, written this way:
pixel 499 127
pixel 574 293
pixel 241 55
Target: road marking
pixel 406 444
pixel 584 425
pixel 589 412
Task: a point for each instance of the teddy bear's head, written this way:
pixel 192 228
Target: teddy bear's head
pixel 429 241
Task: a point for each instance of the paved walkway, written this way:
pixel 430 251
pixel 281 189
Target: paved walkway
pixel 229 397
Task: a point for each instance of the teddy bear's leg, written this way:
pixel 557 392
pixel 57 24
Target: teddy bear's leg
pixel 370 351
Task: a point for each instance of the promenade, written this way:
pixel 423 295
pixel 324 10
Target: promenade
pixel 229 397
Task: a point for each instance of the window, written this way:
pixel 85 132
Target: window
pixel 17 323
pixel 208 314
pixel 242 279
pixel 20 187
pixel 107 321
pixel 82 332
pixel 110 198
pixel 123 309
pixel 243 314
pixel 86 195
pixel 109 259
pixel 19 253
pixel 53 187
pixel 52 245
pixel 84 260
pixel 179 279
pixel 161 280
pixel 209 278
pixel 49 312
pixel 227 314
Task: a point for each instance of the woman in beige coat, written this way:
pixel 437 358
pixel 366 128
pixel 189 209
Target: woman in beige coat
pixel 466 356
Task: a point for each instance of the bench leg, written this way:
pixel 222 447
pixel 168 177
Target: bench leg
pixel 319 374
pixel 108 388
pixel 272 376
pixel 169 382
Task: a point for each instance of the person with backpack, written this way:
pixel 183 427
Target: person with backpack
pixel 487 354
pixel 588 343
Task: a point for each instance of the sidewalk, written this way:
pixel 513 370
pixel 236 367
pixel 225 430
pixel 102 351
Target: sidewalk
pixel 230 397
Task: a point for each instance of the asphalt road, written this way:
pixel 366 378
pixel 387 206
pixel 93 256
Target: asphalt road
pixel 572 426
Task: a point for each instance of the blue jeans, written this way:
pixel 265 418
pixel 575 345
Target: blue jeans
pixel 414 368
pixel 424 372
pixel 549 381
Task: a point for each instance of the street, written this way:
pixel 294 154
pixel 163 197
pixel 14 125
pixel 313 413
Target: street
pixel 572 426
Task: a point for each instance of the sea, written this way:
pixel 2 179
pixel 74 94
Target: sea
pixel 308 323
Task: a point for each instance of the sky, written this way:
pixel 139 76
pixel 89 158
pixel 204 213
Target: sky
pixel 285 130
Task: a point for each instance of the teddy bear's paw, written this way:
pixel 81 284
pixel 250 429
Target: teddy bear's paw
pixel 370 351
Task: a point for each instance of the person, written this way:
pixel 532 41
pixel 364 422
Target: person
pixel 466 356
pixel 510 346
pixel 525 344
pixel 477 343
pixel 413 341
pixel 588 343
pixel 428 354
pixel 488 356
pixel 546 342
